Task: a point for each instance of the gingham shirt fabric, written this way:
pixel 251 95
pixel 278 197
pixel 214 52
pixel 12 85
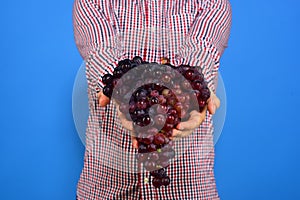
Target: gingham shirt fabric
pixel 190 32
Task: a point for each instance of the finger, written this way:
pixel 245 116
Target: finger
pixel 217 101
pixel 213 103
pixel 195 120
pixel 103 100
pixel 126 123
pixel 134 142
pixel 177 134
pixel 211 106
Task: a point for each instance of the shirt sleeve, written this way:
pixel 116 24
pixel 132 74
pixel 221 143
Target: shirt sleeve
pixel 96 39
pixel 207 38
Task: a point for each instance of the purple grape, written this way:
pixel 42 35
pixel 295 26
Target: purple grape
pixel 160 173
pixel 138 60
pixel 107 79
pixel 159 139
pixel 170 119
pixel 142 157
pixel 165 181
pixel 151 147
pixel 142 103
pixel 118 73
pixel 154 93
pixel 108 90
pixel 166 78
pixel 157 182
pixel 142 148
pixel 188 74
pixel 150 165
pixel 153 156
pixel 159 120
pixel 146 120
pixel 154 100
pixel 168 127
pixel 146 139
pixel 197 85
pixel 162 109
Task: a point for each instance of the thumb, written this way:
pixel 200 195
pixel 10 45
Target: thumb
pixel 103 100
pixel 134 142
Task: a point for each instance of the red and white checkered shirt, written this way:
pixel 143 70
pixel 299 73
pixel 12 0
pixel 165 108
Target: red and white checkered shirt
pixel 193 32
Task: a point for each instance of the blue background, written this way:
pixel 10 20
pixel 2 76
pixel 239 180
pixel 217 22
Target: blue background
pixel 257 156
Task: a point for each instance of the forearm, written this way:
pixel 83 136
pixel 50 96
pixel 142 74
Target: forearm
pixel 207 38
pixel 95 38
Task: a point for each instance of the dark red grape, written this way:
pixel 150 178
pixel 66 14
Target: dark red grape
pixel 153 156
pixel 141 93
pixel 146 120
pixel 139 113
pixel 159 139
pixel 205 93
pixel 159 120
pixel 197 85
pixel 154 93
pixel 168 127
pixel 162 109
pixel 115 82
pixel 168 133
pixel 165 181
pixel 152 131
pixel 188 74
pixel 154 100
pixel 160 173
pixel 170 119
pixel 173 112
pixel 138 60
pixel 108 90
pixel 157 182
pixel 118 73
pixel 142 103
pixel 178 107
pixel 107 79
pixel 151 147
pixel 150 165
pixel 146 139
pixel 141 157
pixel 166 78
pixel 142 148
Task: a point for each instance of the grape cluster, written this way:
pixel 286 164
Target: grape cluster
pixel 156 98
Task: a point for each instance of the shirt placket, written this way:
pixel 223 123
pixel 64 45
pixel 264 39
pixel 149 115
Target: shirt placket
pixel 152 24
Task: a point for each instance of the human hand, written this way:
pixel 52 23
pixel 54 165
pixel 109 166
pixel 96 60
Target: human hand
pixel 183 129
pixel 186 128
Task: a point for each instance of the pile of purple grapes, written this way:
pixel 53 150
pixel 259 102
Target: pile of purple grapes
pixel 156 98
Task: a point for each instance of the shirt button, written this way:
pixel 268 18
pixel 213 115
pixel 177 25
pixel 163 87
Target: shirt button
pixel 146 180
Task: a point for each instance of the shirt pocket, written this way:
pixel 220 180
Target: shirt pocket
pixel 179 26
